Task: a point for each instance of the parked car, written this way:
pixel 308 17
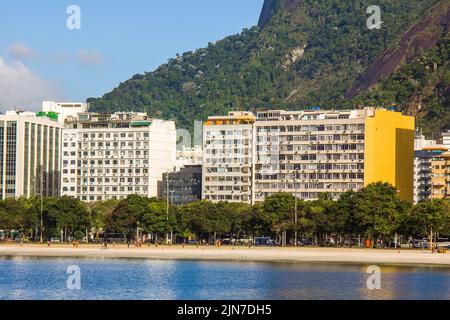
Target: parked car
pixel 421 244
pixel 226 241
pixel 264 241
pixel 244 242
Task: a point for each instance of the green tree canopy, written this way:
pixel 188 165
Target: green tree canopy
pixel 379 211
pixel 431 215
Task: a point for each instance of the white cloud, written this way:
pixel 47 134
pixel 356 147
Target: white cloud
pixel 21 52
pixel 84 58
pixel 89 58
pixel 22 88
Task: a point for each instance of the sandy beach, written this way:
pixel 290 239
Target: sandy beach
pixel 292 255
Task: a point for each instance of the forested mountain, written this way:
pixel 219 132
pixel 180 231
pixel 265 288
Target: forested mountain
pixel 307 53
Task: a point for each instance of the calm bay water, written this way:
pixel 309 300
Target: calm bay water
pixel 23 278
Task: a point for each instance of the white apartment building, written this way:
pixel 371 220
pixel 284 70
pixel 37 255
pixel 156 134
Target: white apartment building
pixel 30 162
pixel 421 142
pixel 227 158
pixel 189 156
pixel 65 109
pixel 309 152
pixel 422 175
pixel 111 157
pixel 445 140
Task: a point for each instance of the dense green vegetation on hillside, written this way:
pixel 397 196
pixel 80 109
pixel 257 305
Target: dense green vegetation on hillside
pixel 375 212
pixel 307 55
pixel 421 87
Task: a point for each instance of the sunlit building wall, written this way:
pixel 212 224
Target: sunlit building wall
pixel 30 155
pixel 107 157
pixel 227 158
pixel 308 153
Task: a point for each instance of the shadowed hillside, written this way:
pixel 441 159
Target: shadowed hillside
pixel 303 53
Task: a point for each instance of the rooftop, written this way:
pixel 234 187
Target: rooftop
pixel 313 114
pixel 115 120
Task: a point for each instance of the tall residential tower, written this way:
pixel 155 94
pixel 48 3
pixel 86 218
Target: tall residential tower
pixel 30 155
pixel 227 157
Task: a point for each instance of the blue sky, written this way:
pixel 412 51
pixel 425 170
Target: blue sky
pixel 40 58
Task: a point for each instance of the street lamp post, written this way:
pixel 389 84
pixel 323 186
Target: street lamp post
pixel 167 204
pixel 296 208
pixel 171 203
pixel 42 206
pixel 296 220
pixel 42 223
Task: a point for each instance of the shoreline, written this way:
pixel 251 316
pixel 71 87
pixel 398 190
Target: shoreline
pixel 233 254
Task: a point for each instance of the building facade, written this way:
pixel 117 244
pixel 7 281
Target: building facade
pixel 423 172
pixel 112 156
pixel 64 109
pixel 441 176
pixel 227 157
pixel 420 142
pixel 189 156
pixel 183 187
pixel 445 140
pixel 312 152
pixel 307 153
pixel 30 161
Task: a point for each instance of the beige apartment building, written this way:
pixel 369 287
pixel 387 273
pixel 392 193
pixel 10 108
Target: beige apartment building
pixel 227 158
pixel 440 177
pixel 309 152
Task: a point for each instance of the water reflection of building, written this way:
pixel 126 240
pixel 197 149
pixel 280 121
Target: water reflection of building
pixel 390 281
pixel 30 148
